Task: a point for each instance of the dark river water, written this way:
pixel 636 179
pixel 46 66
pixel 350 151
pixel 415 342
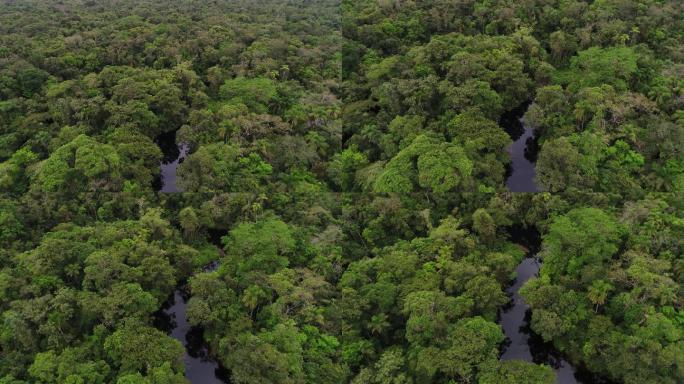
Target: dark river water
pixel 521 342
pixel 523 151
pixel 174 154
pixel 200 367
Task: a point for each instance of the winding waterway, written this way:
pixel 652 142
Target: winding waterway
pixel 523 151
pixel 521 343
pixel 200 366
pixel 174 154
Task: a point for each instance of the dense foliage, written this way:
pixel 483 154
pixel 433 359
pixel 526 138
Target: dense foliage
pixel 605 81
pixel 349 157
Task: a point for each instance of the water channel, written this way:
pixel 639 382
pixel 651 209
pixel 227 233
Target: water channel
pixel 174 154
pixel 521 342
pixel 200 366
pixel 523 151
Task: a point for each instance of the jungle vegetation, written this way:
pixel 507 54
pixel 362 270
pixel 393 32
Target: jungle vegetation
pixel 348 155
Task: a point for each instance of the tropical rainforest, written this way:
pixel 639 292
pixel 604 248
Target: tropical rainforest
pixel 346 183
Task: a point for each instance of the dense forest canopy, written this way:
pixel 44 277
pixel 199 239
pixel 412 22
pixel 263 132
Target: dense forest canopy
pixel 347 170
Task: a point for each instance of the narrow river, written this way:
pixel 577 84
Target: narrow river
pixel 174 154
pixel 521 342
pixel 523 151
pixel 200 367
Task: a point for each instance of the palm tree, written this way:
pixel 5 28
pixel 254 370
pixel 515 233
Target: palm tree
pixel 598 293
pixel 378 323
